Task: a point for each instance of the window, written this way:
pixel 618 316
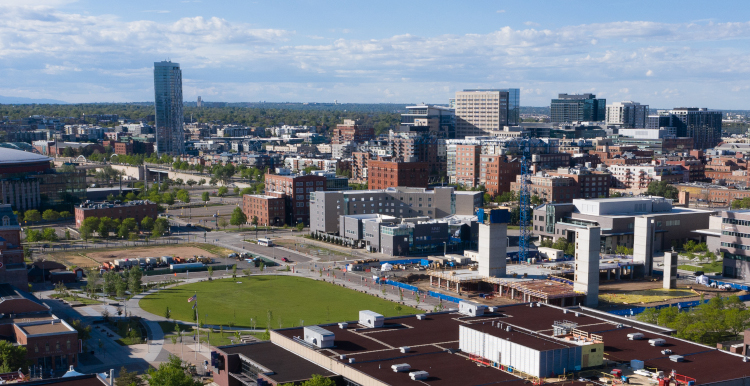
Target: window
pixel 46 346
pixel 300 184
pixel 57 345
pixel 36 347
pixel 6 221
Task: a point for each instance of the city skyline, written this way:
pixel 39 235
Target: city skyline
pixel 84 51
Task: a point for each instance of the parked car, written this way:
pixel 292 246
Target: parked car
pixel 698 273
pixel 233 255
pixel 284 259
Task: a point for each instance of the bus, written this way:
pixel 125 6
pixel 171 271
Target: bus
pixel 265 242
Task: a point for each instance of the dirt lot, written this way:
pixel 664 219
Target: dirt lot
pixel 94 257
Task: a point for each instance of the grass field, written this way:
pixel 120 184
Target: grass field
pixel 290 300
pixel 646 296
pixel 716 266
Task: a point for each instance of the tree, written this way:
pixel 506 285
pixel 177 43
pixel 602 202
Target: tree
pixel 663 189
pixel 160 226
pixel 50 215
pixel 202 181
pixel 223 191
pixel 171 373
pixel 300 226
pixel 120 288
pixel 127 378
pixel 167 198
pixel 85 232
pixel 134 280
pixel 191 182
pixel 183 196
pixel 49 234
pixel 12 357
pixel 222 222
pixel 210 270
pixel 65 214
pixel 205 197
pixel 33 235
pixel 32 216
pixel 238 217
pixel 179 181
pixel 67 234
pixel 234 271
pixel 168 313
pixel 147 224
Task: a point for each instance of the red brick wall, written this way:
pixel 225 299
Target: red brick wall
pixel 138 212
pixel 385 174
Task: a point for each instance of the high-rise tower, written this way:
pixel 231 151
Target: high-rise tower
pixel 168 104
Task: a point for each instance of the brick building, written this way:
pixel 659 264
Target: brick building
pixel 137 210
pixel 50 343
pixel 591 183
pixel 351 131
pixel 133 147
pixel 551 189
pixel 467 164
pixel 13 269
pixel 385 174
pixel 271 211
pixel 296 189
pixel 498 172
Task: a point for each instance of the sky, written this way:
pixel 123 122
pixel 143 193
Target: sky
pixel 661 53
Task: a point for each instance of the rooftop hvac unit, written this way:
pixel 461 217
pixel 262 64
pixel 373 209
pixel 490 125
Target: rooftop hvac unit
pixel 401 368
pixel 421 317
pixel 371 319
pixel 676 358
pixel 666 351
pixel 492 309
pixel 343 325
pixel 577 314
pixel 657 342
pixel 404 349
pixel 342 356
pixel 635 336
pixel 351 360
pixel 565 311
pixel 418 375
pixel 509 328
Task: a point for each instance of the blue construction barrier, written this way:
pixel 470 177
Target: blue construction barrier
pixel 407 261
pixel 401 285
pixel 444 297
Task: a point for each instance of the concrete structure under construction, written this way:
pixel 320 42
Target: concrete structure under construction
pixel 587 264
pixel 670 270
pixel 493 232
pixel 643 240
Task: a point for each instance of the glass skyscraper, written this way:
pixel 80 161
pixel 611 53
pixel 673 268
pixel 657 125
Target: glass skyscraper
pixel 168 104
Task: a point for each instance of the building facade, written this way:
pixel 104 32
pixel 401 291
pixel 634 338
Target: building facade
pixel 386 174
pixel 701 124
pixel 627 114
pixel 568 108
pixel 170 138
pixel 296 190
pixel 440 120
pixel 137 210
pixel 270 211
pixel 480 111
pixel 13 269
pixel 351 131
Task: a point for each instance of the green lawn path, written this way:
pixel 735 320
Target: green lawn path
pixel 290 299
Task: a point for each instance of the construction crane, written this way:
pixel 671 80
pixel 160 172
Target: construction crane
pixel 524 201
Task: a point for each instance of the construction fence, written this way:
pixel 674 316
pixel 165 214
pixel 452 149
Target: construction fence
pixel 433 294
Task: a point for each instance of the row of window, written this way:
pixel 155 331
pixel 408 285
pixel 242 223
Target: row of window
pixel 735 221
pixel 736 246
pixel 46 346
pixel 736 234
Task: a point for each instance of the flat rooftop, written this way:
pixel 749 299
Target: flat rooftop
pixel 433 344
pixel 46 328
pixel 286 366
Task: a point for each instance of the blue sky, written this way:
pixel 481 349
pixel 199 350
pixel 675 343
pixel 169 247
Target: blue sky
pixel 661 53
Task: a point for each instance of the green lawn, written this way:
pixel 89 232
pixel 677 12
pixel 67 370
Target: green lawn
pixel 716 266
pixel 290 300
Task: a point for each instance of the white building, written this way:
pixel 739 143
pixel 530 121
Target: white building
pixel 627 114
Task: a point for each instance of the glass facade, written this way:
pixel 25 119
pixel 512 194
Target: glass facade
pixel 170 138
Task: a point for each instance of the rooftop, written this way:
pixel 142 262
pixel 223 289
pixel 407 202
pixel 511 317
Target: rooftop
pixel 12 156
pixel 286 366
pixel 54 326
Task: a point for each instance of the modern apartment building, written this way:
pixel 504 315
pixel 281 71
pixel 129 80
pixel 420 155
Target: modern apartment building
pixel 480 111
pixel 729 233
pixel 440 120
pixel 701 124
pixel 497 172
pixel 351 131
pixel 627 114
pixel 568 108
pixel 592 183
pixel 467 161
pixel 296 189
pixel 327 207
pixel 386 174
pixel 170 138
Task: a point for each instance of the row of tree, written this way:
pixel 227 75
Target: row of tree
pixel 128 227
pixel 33 215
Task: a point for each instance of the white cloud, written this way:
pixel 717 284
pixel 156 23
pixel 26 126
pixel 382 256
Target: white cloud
pixel 649 73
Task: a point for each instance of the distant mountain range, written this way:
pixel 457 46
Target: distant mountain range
pixel 27 101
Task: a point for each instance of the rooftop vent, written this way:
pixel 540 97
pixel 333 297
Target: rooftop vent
pixel 635 336
pixel 421 317
pixel 666 351
pixel 657 342
pixel 404 349
pixel 676 358
pixel 418 375
pixel 509 328
pixel 351 360
pixel 343 325
pixel 577 314
pixel 401 368
pixel 342 356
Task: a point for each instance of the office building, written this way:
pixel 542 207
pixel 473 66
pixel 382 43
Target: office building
pixel 729 233
pixel 439 120
pixel 13 267
pixel 616 218
pixel 399 202
pixel 170 138
pixel 480 111
pixel 569 108
pixel 385 174
pixel 138 210
pixel 627 114
pixel 497 172
pixel 701 124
